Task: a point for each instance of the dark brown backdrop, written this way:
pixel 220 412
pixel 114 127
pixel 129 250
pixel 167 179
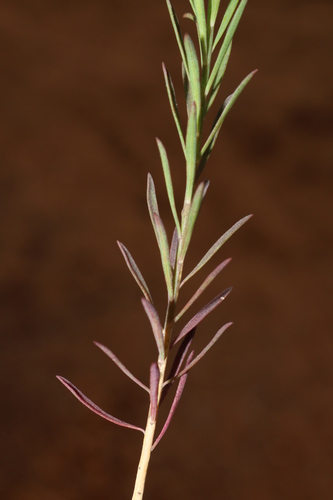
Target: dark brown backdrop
pixel 81 100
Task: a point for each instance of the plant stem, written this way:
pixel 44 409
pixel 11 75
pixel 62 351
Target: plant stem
pixel 147 443
pixel 144 459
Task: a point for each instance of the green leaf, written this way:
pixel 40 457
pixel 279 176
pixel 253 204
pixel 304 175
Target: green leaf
pixel 173 104
pixel 168 182
pixel 213 8
pixel 212 251
pixel 192 217
pixel 191 152
pixel 178 33
pixel 201 26
pixel 228 103
pixel 165 254
pixel 225 21
pixel 219 77
pixel 225 45
pixel 194 71
pixel 135 271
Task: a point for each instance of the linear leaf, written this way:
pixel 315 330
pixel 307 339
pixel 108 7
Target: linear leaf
pixel 94 408
pixel 226 42
pixel 155 325
pixel 194 71
pixel 174 405
pixel 192 217
pixel 225 21
pixel 152 201
pixel 208 308
pixel 219 77
pixel 173 104
pixel 135 271
pixel 168 182
pixel 120 365
pixel 204 351
pixel 216 247
pixel 201 26
pixel 202 287
pixel 191 151
pixel 187 92
pixel 213 8
pixel 228 103
pixel 154 380
pixel 174 248
pixel 165 254
pixel 178 33
pixel 177 363
pixel 160 233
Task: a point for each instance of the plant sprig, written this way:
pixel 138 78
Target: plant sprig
pixel 202 77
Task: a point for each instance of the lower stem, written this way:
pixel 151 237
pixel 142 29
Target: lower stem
pixel 147 444
pixel 144 459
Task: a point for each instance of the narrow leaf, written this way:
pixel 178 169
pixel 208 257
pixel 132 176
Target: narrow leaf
pixel 194 72
pixel 202 287
pixel 219 77
pixel 168 182
pixel 204 351
pixel 94 408
pixel 135 271
pixel 226 42
pixel 225 20
pixel 121 366
pixel 155 325
pixel 178 33
pixel 174 405
pixel 165 254
pixel 212 251
pixel 192 217
pixel 213 8
pixel 191 152
pixel 152 201
pixel 160 233
pixel 208 308
pixel 229 102
pixel 177 363
pixel 174 248
pixel 154 380
pixel 186 92
pixel 173 104
pixel 201 26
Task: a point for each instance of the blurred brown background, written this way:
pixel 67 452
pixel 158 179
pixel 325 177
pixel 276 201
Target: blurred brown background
pixel 81 100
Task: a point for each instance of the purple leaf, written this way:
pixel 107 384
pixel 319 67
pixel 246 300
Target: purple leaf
pixel 121 366
pixel 89 404
pixel 201 315
pixel 175 402
pixel 177 363
pixel 154 381
pixel 174 248
pixel 155 325
pixel 204 351
pixel 203 287
pixel 135 271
